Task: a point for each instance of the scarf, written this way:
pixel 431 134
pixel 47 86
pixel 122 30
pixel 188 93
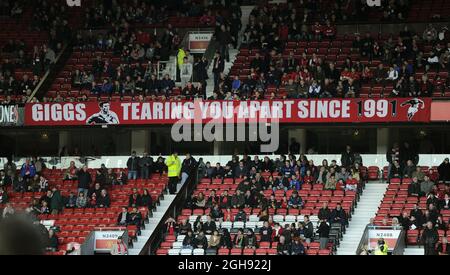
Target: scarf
pixel 121 249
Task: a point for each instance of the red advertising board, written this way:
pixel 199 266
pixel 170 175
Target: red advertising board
pixel 282 111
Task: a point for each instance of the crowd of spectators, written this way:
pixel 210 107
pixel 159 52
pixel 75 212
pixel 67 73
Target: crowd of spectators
pixel 254 177
pixel 373 61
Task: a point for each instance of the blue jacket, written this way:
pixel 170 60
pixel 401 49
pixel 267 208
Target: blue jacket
pixel 31 168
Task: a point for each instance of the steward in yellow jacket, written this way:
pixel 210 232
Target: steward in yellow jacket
pixel 173 163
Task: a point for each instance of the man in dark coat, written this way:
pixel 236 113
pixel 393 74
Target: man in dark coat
pixel 429 239
pixel 444 171
pixel 347 157
pixel 84 180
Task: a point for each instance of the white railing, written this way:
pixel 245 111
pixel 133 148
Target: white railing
pixel 121 161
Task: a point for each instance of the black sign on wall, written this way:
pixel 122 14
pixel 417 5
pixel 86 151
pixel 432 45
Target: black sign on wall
pixel 11 115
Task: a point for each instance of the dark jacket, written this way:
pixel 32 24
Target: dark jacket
pixel 84 179
pixel 134 201
pixel 105 201
pixel 347 159
pixel 188 165
pixel 324 230
pixel 127 219
pixel 309 230
pixel 146 201
pixel 429 237
pixel 56 202
pixel 133 163
pixel 444 171
pixel 200 242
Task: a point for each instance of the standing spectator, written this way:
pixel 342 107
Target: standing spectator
pixel 145 163
pixel 28 170
pixel 173 163
pixel 347 157
pixel 186 70
pixel 294 148
pixel 218 68
pixel 429 239
pixel 187 168
pixel 444 171
pixel 309 229
pixel 84 180
pixel 133 164
pixel 324 232
pixel 56 202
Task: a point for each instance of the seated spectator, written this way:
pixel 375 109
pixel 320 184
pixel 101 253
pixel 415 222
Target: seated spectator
pixel 95 190
pixel 445 203
pixel 92 202
pixel 409 169
pixel 124 217
pixel 184 227
pixel 237 200
pixel 331 183
pixel 209 226
pixel 351 184
pixel 71 201
pixel 241 216
pixel 188 240
pixel 134 199
pixel 44 207
pixel 239 239
pixel 71 172
pixel 295 184
pixel 146 200
pixel 214 241
pixel 250 239
pixel 200 201
pixel 136 218
pixel 283 248
pixel 200 241
pixel 414 189
pixel 103 201
pixel 426 185
pixel 324 212
pixel 338 215
pixel 297 247
pixel 443 247
pixel 295 201
pixel 52 241
pixel 81 200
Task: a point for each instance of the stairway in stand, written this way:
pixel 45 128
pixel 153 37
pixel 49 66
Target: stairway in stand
pixel 366 209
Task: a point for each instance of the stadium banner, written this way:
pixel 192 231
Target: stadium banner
pixel 11 115
pixel 105 239
pixel 199 42
pixel 390 236
pixel 228 112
